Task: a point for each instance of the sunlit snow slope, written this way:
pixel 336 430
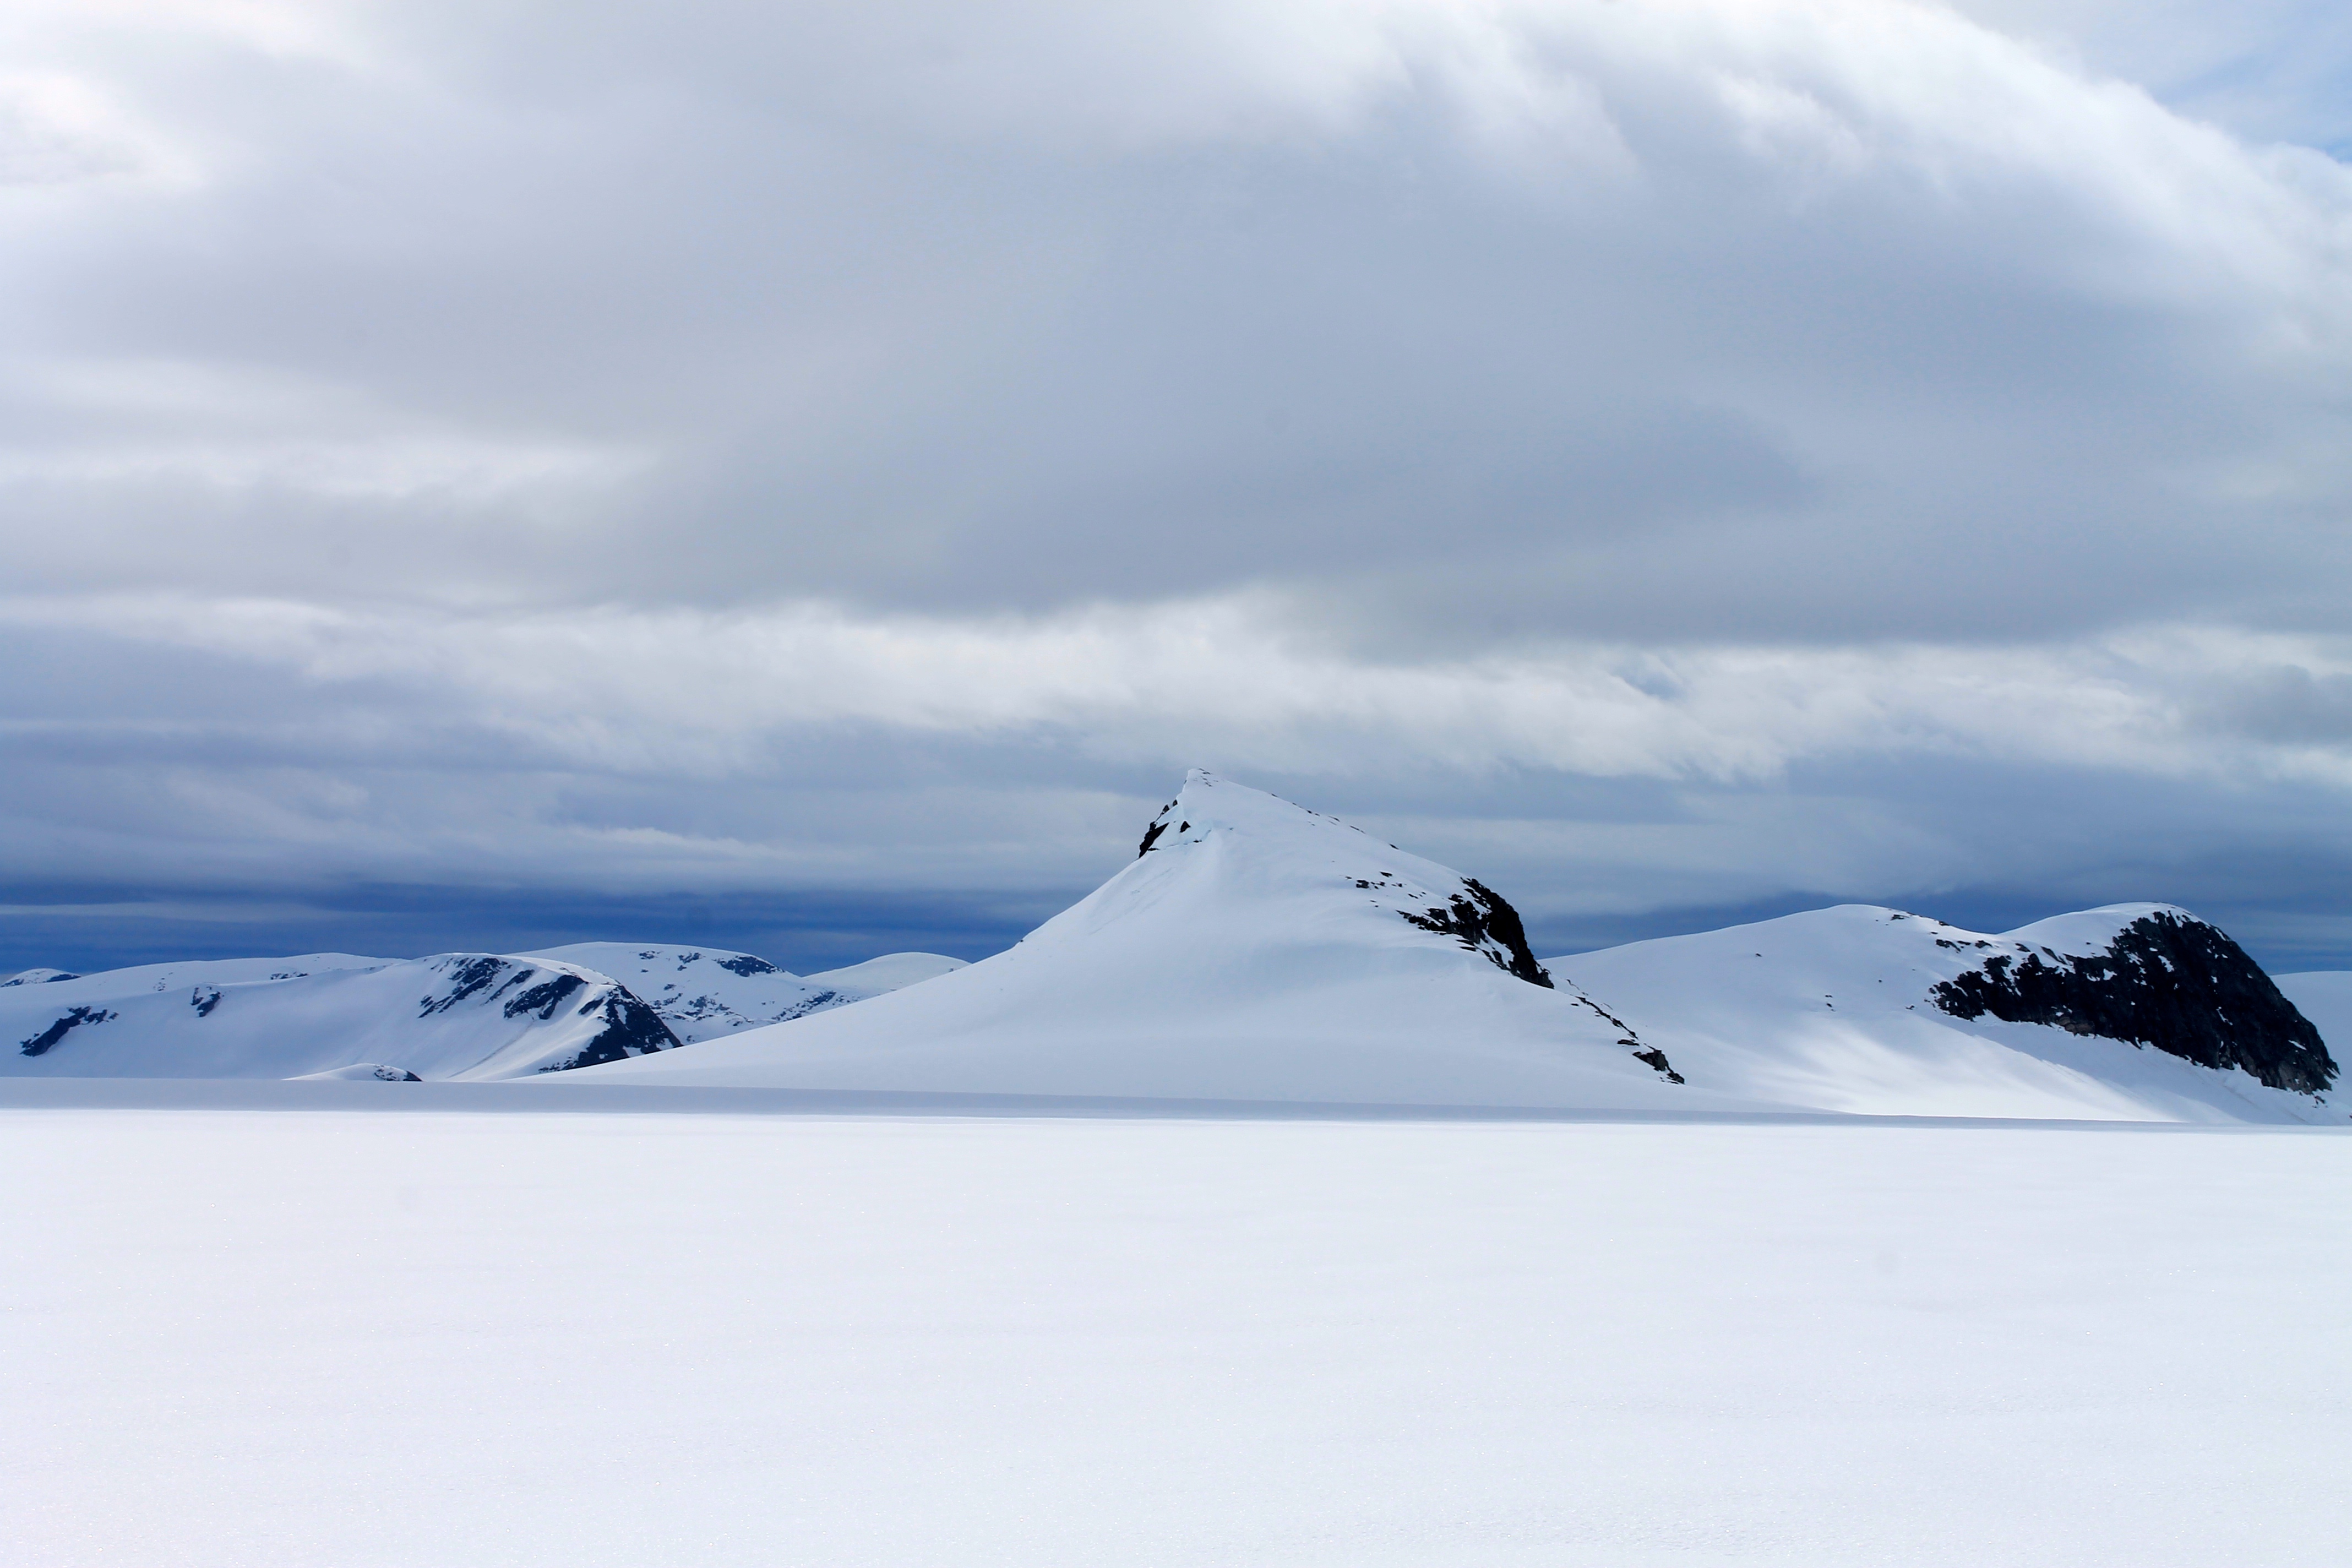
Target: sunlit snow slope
pixel 891 972
pixel 459 1015
pixel 1253 950
pixel 1852 1009
pixel 2324 997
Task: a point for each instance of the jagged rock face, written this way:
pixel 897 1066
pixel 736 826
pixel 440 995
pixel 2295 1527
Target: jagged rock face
pixel 71 1019
pixel 631 1029
pixel 2180 985
pixel 1484 921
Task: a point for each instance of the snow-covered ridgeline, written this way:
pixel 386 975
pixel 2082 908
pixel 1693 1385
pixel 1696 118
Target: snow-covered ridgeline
pixel 705 993
pixel 1256 950
pixel 454 1015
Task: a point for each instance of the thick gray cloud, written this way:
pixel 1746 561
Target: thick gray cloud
pixel 1681 456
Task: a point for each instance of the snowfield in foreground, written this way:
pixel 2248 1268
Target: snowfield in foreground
pixel 250 1337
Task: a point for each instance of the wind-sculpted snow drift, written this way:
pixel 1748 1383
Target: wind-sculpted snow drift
pixel 1253 950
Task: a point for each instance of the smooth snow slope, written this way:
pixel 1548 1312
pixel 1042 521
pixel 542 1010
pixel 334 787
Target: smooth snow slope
pixel 1831 1010
pixel 410 1339
pixel 1255 950
pixel 459 1015
pixel 891 972
pixel 2324 997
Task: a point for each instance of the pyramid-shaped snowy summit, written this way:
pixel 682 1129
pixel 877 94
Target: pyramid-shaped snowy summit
pixel 1254 949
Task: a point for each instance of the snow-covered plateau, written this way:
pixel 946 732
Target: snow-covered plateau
pixel 428 1334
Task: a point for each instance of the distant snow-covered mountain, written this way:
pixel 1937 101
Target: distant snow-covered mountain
pixel 466 1014
pixel 1253 949
pixel 458 1015
pixel 704 993
pixel 1257 950
pixel 2133 1010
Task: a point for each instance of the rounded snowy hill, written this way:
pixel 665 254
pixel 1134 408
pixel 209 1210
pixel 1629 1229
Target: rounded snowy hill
pixel 1254 949
pixel 2138 1012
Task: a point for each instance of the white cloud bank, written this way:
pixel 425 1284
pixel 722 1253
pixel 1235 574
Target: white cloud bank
pixel 709 692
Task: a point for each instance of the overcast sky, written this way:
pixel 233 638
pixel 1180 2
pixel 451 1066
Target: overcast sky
pixel 810 477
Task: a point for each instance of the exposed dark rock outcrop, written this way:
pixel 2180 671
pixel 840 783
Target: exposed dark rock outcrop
pixel 1650 1056
pixel 631 1029
pixel 1655 1059
pixel 2177 984
pixel 545 997
pixel 1484 921
pixel 473 975
pixel 744 964
pixel 74 1019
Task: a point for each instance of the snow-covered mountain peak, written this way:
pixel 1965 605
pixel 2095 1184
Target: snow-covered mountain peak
pixel 1266 841
pixel 1254 949
pixel 1208 805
